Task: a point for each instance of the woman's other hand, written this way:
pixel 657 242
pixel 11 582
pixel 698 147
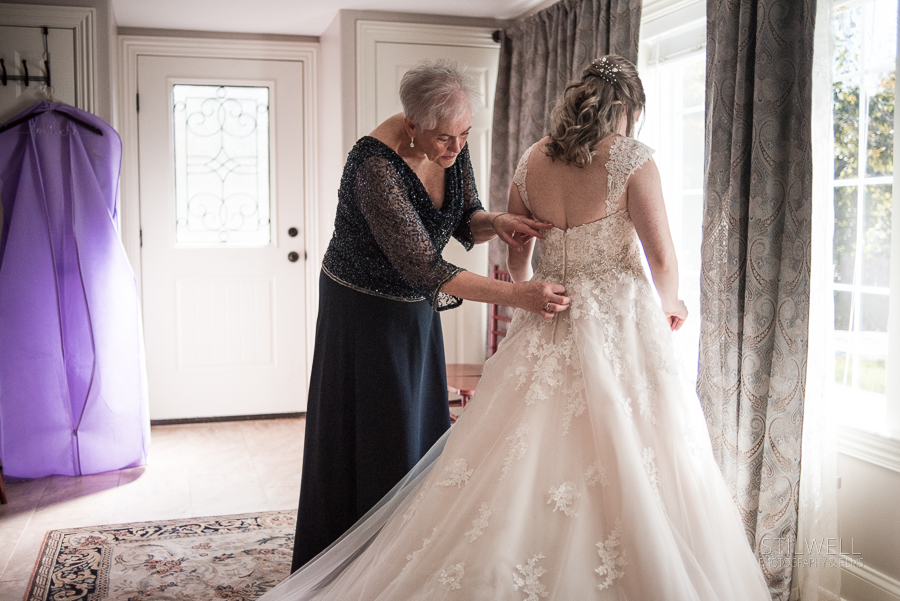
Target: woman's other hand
pixel 540 297
pixel 676 314
pixel 517 230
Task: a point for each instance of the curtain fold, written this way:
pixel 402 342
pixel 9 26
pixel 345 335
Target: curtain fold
pixel 755 277
pixel 817 575
pixel 538 56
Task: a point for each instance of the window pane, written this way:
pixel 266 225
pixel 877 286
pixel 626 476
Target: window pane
pixel 872 375
pixel 843 370
pixel 880 31
pixel 692 151
pixel 846 130
pixel 877 245
pixel 842 309
pixel 691 231
pixel 222 165
pixel 874 312
pixel 844 233
pixel 694 82
pixel 880 150
pixel 847 40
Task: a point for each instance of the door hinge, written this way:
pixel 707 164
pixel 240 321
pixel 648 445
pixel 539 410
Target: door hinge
pixel 137 103
pixel 141 238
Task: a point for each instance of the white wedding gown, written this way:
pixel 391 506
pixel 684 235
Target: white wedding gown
pixel 579 471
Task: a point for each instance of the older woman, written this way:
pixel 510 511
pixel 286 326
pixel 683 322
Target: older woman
pixel 377 395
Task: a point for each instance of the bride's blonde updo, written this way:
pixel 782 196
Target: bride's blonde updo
pixel 591 108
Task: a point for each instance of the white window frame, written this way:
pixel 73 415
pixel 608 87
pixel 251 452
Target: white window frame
pixel 673 32
pixel 857 345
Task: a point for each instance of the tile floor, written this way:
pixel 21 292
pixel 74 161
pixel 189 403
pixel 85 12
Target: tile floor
pixel 195 470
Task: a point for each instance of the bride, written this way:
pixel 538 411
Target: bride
pixel 580 470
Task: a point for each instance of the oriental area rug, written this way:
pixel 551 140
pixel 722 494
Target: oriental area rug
pixel 235 557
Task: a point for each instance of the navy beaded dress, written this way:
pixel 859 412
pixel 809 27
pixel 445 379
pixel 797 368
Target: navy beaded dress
pixel 378 387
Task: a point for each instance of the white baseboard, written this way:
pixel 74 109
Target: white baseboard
pixel 874 448
pixel 877 585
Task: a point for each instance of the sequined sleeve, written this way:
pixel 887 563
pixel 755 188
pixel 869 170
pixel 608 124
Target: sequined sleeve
pixel 399 232
pixel 471 204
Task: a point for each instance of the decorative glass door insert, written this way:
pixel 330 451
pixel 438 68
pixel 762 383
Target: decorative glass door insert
pixel 221 165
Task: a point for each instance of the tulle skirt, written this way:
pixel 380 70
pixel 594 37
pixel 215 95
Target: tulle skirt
pixel 579 471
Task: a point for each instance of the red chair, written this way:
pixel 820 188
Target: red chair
pixel 499 313
pixel 462 378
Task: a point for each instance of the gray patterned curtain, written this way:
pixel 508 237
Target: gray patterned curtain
pixel 754 299
pixel 539 55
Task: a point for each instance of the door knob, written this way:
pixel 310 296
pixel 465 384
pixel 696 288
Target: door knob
pixel 293 232
pixel 293 257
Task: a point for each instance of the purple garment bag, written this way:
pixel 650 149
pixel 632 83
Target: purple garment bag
pixel 73 395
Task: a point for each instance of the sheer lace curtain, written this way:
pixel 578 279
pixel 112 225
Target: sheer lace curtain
pixel 817 576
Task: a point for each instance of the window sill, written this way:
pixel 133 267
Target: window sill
pixel 874 448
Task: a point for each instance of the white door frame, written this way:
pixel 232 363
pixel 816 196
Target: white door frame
pixel 79 19
pixel 130 48
pixel 369 33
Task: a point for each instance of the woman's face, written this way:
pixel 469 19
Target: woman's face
pixel 443 143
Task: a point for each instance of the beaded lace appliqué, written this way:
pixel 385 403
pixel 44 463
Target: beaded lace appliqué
pixel 425 543
pixel 458 475
pixel 517 448
pixel 564 496
pixel 596 473
pixel 479 523
pixel 530 580
pixel 626 405
pixel 625 156
pixel 411 510
pixel 649 461
pixel 611 561
pixel 520 174
pixel 452 576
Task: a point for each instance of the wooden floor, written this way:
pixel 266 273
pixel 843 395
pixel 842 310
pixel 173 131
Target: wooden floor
pixel 195 470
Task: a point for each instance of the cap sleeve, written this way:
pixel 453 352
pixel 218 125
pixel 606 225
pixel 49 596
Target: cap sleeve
pixel 626 155
pixel 521 173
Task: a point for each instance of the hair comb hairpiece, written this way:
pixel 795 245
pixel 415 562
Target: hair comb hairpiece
pixel 605 69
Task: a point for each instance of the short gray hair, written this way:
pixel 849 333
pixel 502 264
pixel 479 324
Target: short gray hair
pixel 435 91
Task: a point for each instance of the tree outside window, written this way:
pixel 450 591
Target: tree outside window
pixel 863 100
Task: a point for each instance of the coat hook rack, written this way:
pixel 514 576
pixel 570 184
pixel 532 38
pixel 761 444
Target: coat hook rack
pixel 26 78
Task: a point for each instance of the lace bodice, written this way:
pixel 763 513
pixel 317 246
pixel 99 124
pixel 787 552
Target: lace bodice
pixel 388 235
pixel 588 251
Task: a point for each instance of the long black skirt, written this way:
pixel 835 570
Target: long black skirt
pixel 377 403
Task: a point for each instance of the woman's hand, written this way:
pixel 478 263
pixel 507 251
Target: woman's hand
pixel 676 314
pixel 540 297
pixel 516 230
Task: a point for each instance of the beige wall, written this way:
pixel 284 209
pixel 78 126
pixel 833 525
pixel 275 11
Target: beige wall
pixel 869 524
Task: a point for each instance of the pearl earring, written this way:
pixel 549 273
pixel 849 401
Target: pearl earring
pixel 412 142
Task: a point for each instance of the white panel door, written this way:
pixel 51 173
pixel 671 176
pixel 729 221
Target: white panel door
pixel 27 43
pixel 465 328
pixel 222 255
